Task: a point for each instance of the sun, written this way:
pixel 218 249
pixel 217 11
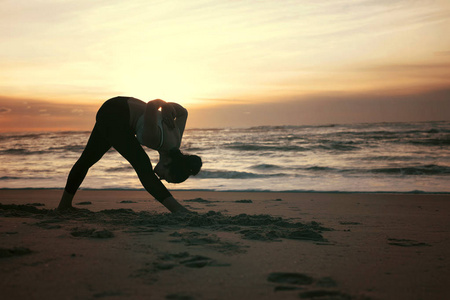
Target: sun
pixel 174 81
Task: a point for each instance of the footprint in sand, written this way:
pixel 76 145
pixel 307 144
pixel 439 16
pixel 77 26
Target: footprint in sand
pixel 193 238
pixel 197 261
pixel 170 260
pixel 49 224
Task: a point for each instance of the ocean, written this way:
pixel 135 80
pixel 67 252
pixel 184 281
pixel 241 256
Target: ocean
pixel 379 157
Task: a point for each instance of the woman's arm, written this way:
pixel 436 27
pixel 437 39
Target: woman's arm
pixel 151 134
pixel 174 116
pixel 181 115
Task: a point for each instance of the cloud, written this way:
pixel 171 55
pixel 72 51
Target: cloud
pixel 408 67
pixel 324 108
pixel 77 111
pixel 39 115
pixel 329 108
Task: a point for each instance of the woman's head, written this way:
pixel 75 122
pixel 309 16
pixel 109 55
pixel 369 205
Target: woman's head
pixel 182 166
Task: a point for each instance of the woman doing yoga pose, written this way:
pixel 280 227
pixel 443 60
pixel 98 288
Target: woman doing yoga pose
pixel 126 123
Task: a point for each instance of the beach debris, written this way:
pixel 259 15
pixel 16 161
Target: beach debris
pixel 127 201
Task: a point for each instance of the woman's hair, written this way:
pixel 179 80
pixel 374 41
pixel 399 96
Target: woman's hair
pixel 183 165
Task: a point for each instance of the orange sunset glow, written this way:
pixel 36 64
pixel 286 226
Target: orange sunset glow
pixel 231 63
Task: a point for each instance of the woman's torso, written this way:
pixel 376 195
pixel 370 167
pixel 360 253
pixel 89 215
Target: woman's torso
pixel 137 110
pixel 168 138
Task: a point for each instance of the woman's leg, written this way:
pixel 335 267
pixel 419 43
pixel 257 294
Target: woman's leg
pixel 97 145
pixel 128 146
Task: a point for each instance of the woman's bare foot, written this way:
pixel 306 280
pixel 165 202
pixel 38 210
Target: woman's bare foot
pixel 66 202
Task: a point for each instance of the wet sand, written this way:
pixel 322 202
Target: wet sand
pixel 124 245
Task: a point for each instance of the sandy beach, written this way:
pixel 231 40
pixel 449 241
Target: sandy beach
pixel 124 245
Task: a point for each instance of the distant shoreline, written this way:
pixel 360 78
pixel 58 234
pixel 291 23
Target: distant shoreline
pixel 319 125
pixel 248 191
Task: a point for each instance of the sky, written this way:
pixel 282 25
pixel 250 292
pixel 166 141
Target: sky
pixel 230 63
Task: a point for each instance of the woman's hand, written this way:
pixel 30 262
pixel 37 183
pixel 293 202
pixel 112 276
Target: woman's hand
pixel 173 206
pixel 168 115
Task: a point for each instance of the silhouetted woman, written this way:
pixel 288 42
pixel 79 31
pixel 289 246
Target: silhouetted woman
pixel 126 123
